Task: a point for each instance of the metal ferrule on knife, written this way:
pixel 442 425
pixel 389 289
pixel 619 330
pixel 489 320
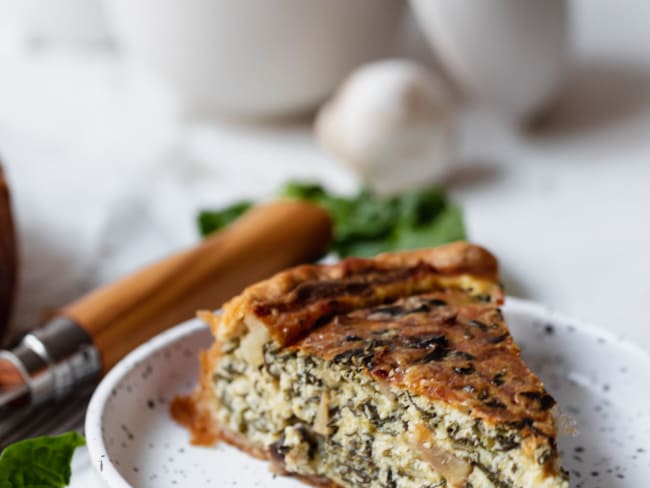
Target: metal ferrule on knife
pixel 52 361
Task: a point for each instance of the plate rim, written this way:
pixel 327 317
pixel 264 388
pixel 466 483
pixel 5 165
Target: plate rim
pixel 93 421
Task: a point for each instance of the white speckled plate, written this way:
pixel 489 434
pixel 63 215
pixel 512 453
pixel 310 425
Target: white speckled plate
pixel 600 381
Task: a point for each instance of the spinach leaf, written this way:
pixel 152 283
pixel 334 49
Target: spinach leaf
pixel 447 226
pixel 42 462
pixel 213 220
pixel 420 207
pixel 366 224
pixel 303 191
pixel 357 219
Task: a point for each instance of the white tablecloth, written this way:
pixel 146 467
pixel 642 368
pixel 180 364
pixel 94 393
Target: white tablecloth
pixel 107 175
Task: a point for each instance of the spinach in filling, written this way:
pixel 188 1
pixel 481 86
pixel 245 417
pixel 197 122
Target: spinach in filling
pixel 363 439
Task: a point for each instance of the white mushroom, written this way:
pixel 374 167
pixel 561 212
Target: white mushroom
pixel 392 123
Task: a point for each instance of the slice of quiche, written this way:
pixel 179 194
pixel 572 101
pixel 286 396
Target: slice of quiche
pixel 397 371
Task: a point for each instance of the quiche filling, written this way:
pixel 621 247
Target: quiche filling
pixel 330 420
pixel 394 372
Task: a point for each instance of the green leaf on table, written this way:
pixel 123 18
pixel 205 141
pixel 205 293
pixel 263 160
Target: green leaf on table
pixel 367 224
pixel 419 208
pixel 213 220
pixel 303 191
pixel 368 218
pixel 447 226
pixel 360 223
pixel 42 462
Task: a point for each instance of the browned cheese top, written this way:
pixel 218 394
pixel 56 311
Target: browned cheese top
pixel 425 321
pixel 444 346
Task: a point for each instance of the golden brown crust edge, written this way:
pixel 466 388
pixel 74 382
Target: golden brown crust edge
pixel 457 264
pixel 454 258
pixel 450 259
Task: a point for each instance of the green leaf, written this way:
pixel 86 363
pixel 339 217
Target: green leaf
pixel 368 217
pixel 42 462
pixel 446 227
pixel 213 220
pixel 366 224
pixel 420 207
pixel 302 190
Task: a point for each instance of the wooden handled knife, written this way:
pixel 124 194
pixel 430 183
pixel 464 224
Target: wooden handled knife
pixel 90 335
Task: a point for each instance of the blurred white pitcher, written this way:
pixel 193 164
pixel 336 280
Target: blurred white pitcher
pixel 253 58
